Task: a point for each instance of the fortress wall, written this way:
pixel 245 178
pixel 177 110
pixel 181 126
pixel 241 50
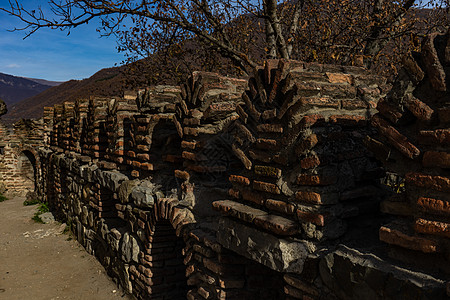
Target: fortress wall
pixel 234 189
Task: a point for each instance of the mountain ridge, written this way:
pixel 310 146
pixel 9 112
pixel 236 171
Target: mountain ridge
pixel 14 89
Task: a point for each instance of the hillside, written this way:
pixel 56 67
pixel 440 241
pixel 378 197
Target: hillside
pixel 13 89
pixel 156 69
pixel 106 82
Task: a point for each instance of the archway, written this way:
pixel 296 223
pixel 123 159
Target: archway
pixel 26 167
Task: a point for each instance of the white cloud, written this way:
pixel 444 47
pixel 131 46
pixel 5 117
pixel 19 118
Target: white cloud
pixel 13 66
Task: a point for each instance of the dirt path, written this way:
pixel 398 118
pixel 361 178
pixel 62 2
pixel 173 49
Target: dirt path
pixel 38 262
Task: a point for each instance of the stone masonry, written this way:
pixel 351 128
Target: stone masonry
pixel 266 188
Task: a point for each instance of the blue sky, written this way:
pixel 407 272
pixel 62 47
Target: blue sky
pixel 51 54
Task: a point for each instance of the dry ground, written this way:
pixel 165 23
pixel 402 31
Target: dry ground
pixel 38 261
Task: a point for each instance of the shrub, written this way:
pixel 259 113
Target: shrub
pixel 2 198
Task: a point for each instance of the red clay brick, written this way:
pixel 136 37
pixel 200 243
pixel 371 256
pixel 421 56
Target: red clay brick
pixel 266 187
pixel 143 156
pixel 398 140
pixel 310 162
pixel 419 109
pixel 182 174
pixel 190 131
pixel 339 78
pixel 188 155
pixel 239 179
pixel 267 171
pixel 143 148
pixel 396 237
pixel 234 193
pixel 306 144
pixel 309 197
pixel 432 227
pixel 269 114
pixel 267 144
pixel 434 206
pixel 431 137
pixel 305 179
pixel 354 104
pixel 147 166
pixel 310 120
pixel 188 145
pixel 253 197
pixel 277 224
pixel 436 159
pixel 280 206
pixel 438 183
pixel 311 217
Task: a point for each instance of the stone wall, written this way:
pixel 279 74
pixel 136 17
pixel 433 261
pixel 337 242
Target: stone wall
pixel 242 189
pixel 19 159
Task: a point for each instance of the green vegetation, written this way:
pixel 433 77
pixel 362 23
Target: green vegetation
pixel 31 202
pixel 37 218
pixel 43 208
pixel 2 198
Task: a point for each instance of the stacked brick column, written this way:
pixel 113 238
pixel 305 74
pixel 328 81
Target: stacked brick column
pixel 79 114
pixel 95 142
pixel 152 137
pixel 202 117
pixel 48 124
pixel 119 113
pixel 299 136
pixel 413 141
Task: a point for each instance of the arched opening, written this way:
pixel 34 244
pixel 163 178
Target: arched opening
pixel 164 260
pixel 165 153
pixel 26 165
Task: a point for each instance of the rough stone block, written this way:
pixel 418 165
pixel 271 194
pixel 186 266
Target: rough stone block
pixel 238 210
pixel 278 254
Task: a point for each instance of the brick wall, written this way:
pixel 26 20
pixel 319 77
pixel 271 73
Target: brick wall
pixel 18 158
pixel 413 125
pixel 248 189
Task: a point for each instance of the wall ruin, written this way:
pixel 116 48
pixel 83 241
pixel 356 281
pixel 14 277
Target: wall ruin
pixel 19 159
pixel 266 188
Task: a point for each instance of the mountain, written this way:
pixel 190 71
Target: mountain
pixel 14 89
pixel 159 68
pixel 45 82
pixel 104 83
pixel 110 82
